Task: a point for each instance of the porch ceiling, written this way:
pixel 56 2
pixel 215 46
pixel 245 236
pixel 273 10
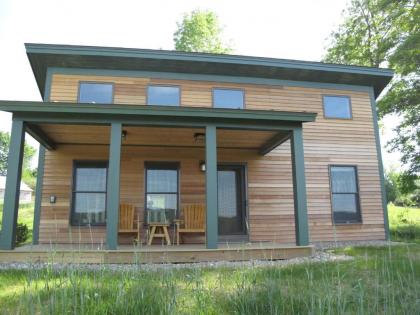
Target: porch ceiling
pixel 157 136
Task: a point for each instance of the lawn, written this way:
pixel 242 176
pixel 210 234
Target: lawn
pixel 378 281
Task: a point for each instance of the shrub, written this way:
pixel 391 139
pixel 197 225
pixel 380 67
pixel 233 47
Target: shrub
pixel 22 233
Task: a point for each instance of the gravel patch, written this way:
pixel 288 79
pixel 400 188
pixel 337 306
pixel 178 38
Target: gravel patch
pixel 331 245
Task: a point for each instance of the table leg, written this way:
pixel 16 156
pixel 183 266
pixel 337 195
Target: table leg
pixel 152 234
pixel 165 231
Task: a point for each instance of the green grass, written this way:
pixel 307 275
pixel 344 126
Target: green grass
pixel 25 216
pixel 377 281
pixel 404 223
pixel 383 280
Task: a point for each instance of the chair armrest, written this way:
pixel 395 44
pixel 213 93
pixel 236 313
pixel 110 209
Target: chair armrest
pixel 178 222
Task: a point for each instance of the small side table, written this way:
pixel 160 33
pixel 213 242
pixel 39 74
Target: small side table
pixel 159 230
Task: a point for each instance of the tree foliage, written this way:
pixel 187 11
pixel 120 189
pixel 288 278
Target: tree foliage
pixel 400 190
pixel 28 174
pixel 200 31
pixel 387 33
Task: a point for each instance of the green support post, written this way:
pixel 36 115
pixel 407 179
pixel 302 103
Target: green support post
pixel 299 188
pixel 11 196
pixel 38 194
pixel 211 188
pixel 113 187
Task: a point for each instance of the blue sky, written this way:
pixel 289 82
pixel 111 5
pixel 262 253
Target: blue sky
pixel 294 29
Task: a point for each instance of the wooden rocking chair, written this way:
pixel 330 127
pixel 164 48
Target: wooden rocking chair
pixel 127 223
pixel 193 220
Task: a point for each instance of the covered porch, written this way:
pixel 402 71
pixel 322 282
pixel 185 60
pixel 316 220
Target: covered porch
pixel 162 134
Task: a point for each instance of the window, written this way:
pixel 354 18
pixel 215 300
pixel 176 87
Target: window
pixel 345 194
pixel 163 95
pixel 337 107
pixel 162 188
pixel 96 93
pixel 89 193
pixel 225 98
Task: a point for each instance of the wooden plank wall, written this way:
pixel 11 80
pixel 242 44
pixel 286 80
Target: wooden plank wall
pixel 327 141
pixel 269 188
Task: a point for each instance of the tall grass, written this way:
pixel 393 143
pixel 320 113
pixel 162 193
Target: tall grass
pixel 377 281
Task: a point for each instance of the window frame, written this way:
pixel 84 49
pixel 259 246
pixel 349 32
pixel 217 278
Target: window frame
pixel 92 164
pixel 228 89
pixel 164 85
pixel 340 96
pixel 357 194
pixel 96 82
pixel 162 165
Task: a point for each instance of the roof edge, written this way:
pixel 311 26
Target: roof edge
pixel 33 48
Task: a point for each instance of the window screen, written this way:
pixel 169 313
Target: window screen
pixel 96 93
pixel 337 107
pixel 344 194
pixel 162 189
pixel 163 95
pixel 89 193
pixel 225 98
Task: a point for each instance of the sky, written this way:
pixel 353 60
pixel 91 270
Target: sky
pixel 293 29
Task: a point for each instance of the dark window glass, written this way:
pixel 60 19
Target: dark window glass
pixel 224 98
pixel 163 95
pixel 337 107
pixel 96 93
pixel 89 193
pixel 161 192
pixel 344 194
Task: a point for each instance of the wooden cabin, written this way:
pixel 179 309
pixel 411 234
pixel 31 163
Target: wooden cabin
pixel 274 151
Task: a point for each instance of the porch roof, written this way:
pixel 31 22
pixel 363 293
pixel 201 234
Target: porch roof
pixel 44 56
pixel 38 115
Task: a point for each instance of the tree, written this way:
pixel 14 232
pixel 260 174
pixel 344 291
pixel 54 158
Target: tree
pixel 28 154
pixel 387 33
pixel 200 31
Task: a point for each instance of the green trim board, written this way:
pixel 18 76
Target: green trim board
pixel 113 187
pixel 274 142
pixel 30 107
pixel 39 135
pixel 38 194
pixel 299 188
pixel 211 188
pixel 40 174
pixel 42 56
pixel 380 163
pixel 13 179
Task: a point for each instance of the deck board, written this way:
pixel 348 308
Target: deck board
pixel 96 254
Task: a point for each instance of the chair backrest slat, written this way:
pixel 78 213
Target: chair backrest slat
pixel 126 217
pixel 193 216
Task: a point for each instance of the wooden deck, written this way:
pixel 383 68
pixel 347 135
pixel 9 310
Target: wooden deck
pixel 96 254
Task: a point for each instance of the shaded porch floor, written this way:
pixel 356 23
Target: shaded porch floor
pixel 126 254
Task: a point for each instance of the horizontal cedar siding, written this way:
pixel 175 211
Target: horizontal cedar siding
pixel 326 141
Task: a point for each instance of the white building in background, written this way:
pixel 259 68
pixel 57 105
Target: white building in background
pixel 25 191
